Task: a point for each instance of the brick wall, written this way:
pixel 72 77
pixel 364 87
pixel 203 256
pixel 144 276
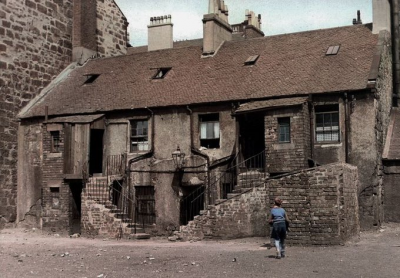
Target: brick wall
pixel 321 204
pixel 286 157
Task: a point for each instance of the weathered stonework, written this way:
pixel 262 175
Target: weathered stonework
pixel 321 203
pixel 35 46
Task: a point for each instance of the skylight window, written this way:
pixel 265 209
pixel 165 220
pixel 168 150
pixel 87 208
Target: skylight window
pixel 161 73
pixel 251 60
pixel 91 78
pixel 333 50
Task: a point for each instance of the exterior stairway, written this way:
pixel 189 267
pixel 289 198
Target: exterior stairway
pixel 101 217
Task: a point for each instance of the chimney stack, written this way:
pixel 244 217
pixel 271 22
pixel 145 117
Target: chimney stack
pixel 381 15
pixel 357 20
pixel 216 28
pixel 160 35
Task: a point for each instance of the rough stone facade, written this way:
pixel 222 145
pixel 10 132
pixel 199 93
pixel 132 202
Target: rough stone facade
pixel 287 156
pixel 35 46
pixel 321 203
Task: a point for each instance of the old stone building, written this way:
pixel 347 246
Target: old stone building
pixel 39 39
pixel 247 114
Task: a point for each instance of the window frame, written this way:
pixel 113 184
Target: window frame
pixel 287 124
pixel 143 138
pixel 210 119
pixel 55 136
pixel 327 109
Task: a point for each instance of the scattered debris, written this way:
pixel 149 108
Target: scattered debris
pixel 234 260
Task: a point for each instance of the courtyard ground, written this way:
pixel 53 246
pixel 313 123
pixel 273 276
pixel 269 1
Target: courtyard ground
pixel 30 253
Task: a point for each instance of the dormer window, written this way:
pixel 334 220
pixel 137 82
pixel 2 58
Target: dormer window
pixel 332 50
pixel 251 60
pixel 91 78
pixel 161 73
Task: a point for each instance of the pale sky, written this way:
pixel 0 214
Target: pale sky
pixel 278 16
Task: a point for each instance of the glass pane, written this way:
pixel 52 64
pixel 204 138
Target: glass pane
pixel 210 130
pixel 335 136
pixel 335 119
pixel 203 130
pixel 319 120
pixel 216 130
pixel 327 119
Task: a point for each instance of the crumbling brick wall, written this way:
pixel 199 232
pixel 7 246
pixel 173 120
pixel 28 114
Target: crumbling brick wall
pixel 290 156
pixel 321 203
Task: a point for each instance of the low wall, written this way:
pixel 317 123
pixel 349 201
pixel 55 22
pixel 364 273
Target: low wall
pixel 321 203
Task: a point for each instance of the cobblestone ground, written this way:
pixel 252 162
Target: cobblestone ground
pixel 29 253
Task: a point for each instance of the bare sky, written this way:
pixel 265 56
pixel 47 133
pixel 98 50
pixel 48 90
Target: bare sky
pixel 278 16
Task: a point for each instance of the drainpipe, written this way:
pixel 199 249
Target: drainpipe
pixel 200 153
pixel 347 126
pixel 312 133
pixel 395 48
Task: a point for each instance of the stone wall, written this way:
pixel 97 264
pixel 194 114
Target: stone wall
pixel 287 156
pixel 321 203
pixel 35 46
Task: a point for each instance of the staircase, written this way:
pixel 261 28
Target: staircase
pixel 108 212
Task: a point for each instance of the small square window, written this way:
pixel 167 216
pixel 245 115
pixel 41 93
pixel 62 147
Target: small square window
pixel 251 60
pixel 55 141
pixel 161 73
pixel 91 78
pixel 284 130
pixel 209 131
pixel 332 50
pixel 139 135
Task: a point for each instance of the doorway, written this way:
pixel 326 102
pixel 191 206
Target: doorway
pixel 96 151
pixel 252 139
pixel 75 206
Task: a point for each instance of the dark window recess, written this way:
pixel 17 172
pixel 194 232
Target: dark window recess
pixel 251 60
pixel 161 73
pixel 91 78
pixel 327 123
pixel 333 50
pixel 139 135
pixel 209 131
pixel 55 197
pixel 284 129
pixel 55 141
pixel 146 213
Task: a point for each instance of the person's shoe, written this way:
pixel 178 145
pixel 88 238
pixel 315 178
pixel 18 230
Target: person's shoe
pixel 278 255
pixel 282 254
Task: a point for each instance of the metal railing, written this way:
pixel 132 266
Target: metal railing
pixel 116 164
pixel 248 173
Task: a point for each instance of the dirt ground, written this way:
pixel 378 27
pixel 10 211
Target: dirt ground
pixel 29 253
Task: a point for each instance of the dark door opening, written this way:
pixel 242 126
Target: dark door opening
pixel 96 151
pixel 75 206
pixel 252 139
pixel 146 213
pixel 191 204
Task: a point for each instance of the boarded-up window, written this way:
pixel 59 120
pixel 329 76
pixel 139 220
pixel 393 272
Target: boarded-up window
pixel 209 130
pixel 145 204
pixel 327 123
pixel 139 135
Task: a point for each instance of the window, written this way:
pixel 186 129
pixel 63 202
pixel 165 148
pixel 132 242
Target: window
pixel 209 131
pixel 327 123
pixel 332 50
pixel 145 200
pixel 161 73
pixel 139 135
pixel 284 129
pixel 91 78
pixel 55 141
pixel 251 60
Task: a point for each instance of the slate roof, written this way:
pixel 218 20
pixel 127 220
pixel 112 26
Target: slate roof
pixel 271 103
pixel 290 64
pixel 76 119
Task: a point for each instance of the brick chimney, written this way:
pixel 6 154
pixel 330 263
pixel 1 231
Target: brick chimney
pixel 216 28
pixel 84 41
pixel 380 15
pixel 160 35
